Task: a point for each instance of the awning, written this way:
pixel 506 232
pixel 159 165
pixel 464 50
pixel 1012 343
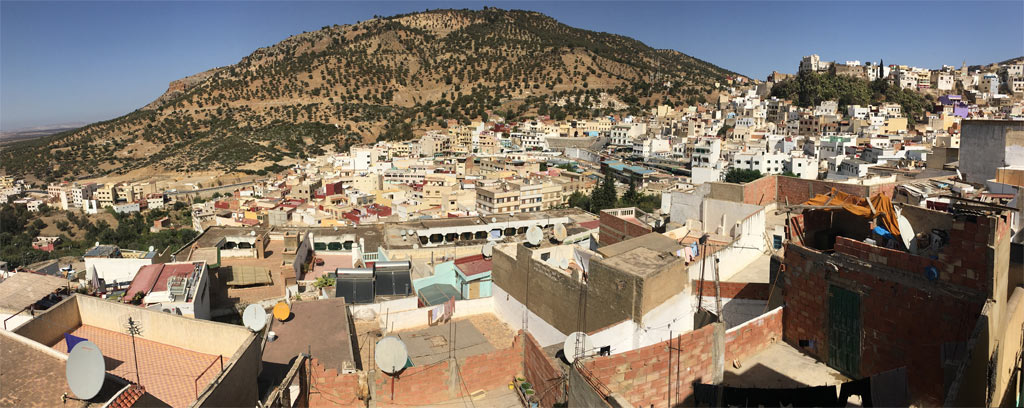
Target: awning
pixel 879 205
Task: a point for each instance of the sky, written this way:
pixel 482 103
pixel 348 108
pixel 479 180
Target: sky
pixel 83 61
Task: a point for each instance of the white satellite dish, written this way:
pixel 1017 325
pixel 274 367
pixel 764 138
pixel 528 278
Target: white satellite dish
pixel 907 233
pixel 493 219
pixel 560 232
pixel 488 249
pixel 390 354
pixel 534 235
pixel 415 246
pixel 85 370
pixel 569 347
pixel 563 263
pixel 254 317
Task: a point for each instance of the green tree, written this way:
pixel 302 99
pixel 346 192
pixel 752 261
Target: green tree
pixel 579 200
pixel 741 176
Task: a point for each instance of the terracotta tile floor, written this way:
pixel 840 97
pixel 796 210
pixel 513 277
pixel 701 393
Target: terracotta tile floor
pixel 167 372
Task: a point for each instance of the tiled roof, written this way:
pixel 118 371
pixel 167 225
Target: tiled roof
pixel 473 265
pixel 128 398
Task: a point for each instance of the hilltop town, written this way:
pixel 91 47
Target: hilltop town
pixel 767 245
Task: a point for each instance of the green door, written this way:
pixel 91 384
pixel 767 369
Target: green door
pixel 844 331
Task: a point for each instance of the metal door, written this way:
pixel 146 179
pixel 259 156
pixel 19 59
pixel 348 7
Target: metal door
pixel 474 290
pixel 844 331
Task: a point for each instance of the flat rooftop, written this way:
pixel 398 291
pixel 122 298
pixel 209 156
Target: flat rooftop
pixel 478 334
pixel 24 289
pixel 318 327
pixel 653 241
pixel 780 365
pixel 169 373
pixel 641 261
pixel 33 377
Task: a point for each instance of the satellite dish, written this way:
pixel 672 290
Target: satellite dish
pixel 493 219
pixel 85 370
pixel 563 263
pixel 151 248
pixel 534 235
pixel 252 233
pixel 560 232
pixel 391 354
pixel 415 246
pixel 569 347
pixel 282 311
pixel 254 317
pixel 488 249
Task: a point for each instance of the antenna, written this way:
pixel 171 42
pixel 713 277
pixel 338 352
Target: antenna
pixel 534 235
pixel 254 317
pixel 133 328
pixel 282 311
pixel 575 345
pixel 85 370
pixel 488 249
pixel 560 232
pixel 391 355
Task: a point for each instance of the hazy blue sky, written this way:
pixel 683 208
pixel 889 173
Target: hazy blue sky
pixel 63 62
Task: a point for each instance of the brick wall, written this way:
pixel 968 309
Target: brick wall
pixel 425 385
pixel 734 290
pixel 762 191
pixel 641 376
pixel 614 229
pixel 905 319
pixel 542 373
pixel 328 388
pixel 754 336
pixel 798 190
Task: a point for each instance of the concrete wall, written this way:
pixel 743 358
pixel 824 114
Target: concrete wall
pixel 57 320
pixel 989 144
pixel 420 317
pixel 582 394
pixel 515 314
pixel 236 385
pixel 202 336
pixel 116 269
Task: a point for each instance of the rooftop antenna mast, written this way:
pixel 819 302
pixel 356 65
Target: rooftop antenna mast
pixel 133 328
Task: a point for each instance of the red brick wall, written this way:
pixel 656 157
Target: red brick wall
pixel 901 324
pixel 754 336
pixel 761 191
pixel 798 190
pixel 641 376
pixel 429 384
pixel 614 229
pixel 734 290
pixel 327 388
pixel 541 372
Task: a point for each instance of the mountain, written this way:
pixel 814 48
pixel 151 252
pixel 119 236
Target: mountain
pixel 381 78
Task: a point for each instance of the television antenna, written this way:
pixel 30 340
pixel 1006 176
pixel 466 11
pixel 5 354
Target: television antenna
pixel 390 356
pixel 534 235
pixel 560 232
pixel 133 328
pixel 254 317
pixel 575 345
pixel 488 250
pixel 85 370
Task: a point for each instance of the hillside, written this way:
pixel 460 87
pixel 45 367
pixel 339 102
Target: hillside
pixel 381 78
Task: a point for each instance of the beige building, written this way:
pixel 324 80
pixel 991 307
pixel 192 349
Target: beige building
pixel 497 199
pixel 107 194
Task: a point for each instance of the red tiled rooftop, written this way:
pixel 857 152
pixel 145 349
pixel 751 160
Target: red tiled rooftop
pixel 331 263
pixel 168 373
pixel 591 224
pixel 169 271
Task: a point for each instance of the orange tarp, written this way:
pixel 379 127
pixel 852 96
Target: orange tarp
pixel 859 206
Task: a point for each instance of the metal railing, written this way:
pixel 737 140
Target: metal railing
pixel 196 381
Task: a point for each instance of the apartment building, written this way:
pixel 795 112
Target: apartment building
pixel 500 198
